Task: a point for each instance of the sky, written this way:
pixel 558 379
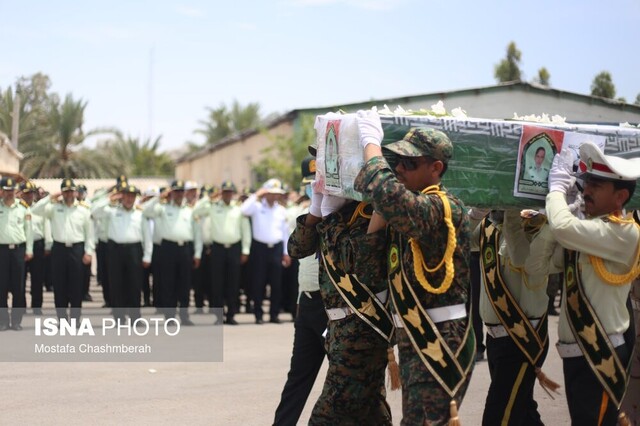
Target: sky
pixel 152 68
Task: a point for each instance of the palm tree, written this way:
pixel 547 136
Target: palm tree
pixel 222 122
pixel 133 157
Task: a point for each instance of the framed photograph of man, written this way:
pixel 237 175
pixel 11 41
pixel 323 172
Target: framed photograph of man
pixel 538 146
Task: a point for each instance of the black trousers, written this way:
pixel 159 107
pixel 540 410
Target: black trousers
pixel 510 397
pixel 125 272
pixel 12 281
pixel 306 359
pixel 36 270
pixel 156 272
pixel 67 271
pixel 176 263
pixel 290 287
pixel 266 269
pixel 473 304
pixel 225 277
pixel 586 398
pixel 103 271
pixel 202 278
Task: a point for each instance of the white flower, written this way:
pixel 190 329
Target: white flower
pixel 626 124
pixel 438 108
pixel 385 110
pixel 545 118
pixel 459 113
pixel 401 111
pixel 557 119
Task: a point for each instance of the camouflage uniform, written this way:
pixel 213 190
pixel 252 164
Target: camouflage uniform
pixel 353 392
pixel 421 216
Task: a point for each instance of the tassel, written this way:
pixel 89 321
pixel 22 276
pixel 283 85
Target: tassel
pixel 623 420
pixel 454 420
pixel 393 369
pixel 546 383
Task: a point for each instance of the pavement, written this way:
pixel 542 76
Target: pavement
pixel 243 389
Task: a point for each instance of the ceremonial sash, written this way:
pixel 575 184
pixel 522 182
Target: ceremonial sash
pixel 362 301
pixel 449 368
pixel 590 334
pixel 531 341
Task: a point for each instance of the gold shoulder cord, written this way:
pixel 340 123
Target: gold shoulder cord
pixel 609 277
pixel 359 212
pixel 447 258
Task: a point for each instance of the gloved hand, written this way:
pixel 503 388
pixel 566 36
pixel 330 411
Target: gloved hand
pixel 369 127
pixel 560 178
pixel 330 204
pixel 316 201
pixel 575 202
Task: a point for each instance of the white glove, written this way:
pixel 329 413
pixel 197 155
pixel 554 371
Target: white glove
pixel 330 204
pixel 560 178
pixel 316 201
pixel 575 202
pixel 369 127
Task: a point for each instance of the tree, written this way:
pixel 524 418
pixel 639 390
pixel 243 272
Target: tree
pixel 637 102
pixel 138 158
pixel 282 159
pixel 543 77
pixel 508 69
pixel 603 86
pixel 222 121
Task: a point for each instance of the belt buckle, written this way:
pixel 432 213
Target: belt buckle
pixel 12 246
pixel 180 243
pixel 227 246
pixel 68 244
pixel 270 245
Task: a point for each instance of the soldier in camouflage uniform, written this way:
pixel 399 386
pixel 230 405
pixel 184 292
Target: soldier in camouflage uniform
pixel 353 392
pixel 427 228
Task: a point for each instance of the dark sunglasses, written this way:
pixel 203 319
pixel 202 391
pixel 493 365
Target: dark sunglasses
pixel 410 164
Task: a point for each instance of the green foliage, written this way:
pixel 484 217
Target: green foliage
pixel 543 77
pixel 603 86
pixel 508 69
pixel 133 157
pixel 283 158
pixel 223 121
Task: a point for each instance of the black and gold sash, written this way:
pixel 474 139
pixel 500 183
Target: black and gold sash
pixel 448 367
pixel 531 341
pixel 590 334
pixel 362 301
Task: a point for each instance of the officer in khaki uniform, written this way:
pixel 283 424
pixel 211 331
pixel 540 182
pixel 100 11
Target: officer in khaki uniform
pixel 180 250
pixel 73 246
pixel 600 256
pixel 36 266
pixel 16 247
pixel 428 266
pixel 129 249
pixel 230 234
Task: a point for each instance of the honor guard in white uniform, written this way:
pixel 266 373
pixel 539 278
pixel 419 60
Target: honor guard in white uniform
pixel 73 245
pixel 129 249
pixel 16 246
pixel 600 258
pixel 230 234
pixel 180 250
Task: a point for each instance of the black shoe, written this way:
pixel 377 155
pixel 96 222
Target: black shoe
pixel 259 321
pixel 37 311
pixel 87 298
pixel 4 327
pixel 231 321
pixel 552 312
pixel 16 327
pixel 275 321
pixel 186 321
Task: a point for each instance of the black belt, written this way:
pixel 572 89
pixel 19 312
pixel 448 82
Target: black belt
pixel 267 245
pixel 137 243
pixel 227 246
pixel 12 246
pixel 179 243
pixel 312 294
pixel 68 245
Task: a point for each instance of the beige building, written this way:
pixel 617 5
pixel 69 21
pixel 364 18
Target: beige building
pixel 9 158
pixel 234 157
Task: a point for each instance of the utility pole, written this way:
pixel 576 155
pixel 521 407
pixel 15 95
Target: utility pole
pixel 15 121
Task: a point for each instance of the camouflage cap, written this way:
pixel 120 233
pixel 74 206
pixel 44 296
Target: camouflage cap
pixel 67 185
pixel 423 141
pixel 8 183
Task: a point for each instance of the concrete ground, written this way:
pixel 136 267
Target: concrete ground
pixel 244 389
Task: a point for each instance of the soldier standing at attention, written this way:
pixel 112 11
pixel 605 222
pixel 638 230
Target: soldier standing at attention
pixel 36 266
pixel 428 267
pixel 73 246
pixel 600 256
pixel 16 247
pixel 180 250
